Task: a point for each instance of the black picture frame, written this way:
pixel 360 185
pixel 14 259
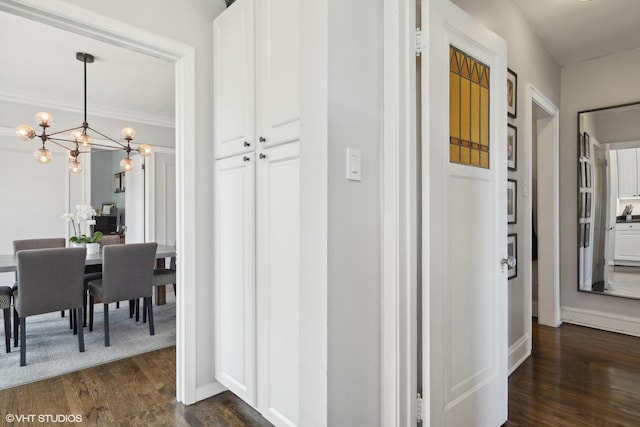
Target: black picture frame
pixel 587 145
pixel 512 251
pixel 512 201
pixel 512 147
pixel 512 93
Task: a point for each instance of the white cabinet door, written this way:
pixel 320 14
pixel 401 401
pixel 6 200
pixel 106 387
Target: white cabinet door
pixel 234 80
pixel 234 266
pixel 278 79
pixel 278 219
pixel 627 173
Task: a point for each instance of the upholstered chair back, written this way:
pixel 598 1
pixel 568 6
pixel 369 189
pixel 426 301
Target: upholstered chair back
pixel 127 271
pixel 56 242
pixel 50 280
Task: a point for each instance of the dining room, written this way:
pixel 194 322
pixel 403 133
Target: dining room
pixel 119 89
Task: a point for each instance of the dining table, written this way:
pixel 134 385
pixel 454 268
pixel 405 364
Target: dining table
pixel 9 262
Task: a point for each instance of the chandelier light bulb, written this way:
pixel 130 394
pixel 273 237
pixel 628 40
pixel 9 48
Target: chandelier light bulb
pixel 75 166
pixel 145 150
pixel 44 119
pixel 43 155
pixel 25 132
pixel 126 164
pixel 81 138
pixel 128 133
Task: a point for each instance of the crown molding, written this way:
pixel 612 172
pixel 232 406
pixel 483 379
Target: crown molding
pixel 9 95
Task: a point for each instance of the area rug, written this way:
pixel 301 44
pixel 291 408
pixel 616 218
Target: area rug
pixel 52 349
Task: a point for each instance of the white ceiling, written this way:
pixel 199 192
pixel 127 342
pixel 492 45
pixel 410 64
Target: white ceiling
pixel 39 66
pixel 574 31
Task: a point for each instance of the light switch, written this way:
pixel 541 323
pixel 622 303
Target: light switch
pixel 353 164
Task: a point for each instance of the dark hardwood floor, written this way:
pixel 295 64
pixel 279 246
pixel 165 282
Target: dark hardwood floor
pixel 577 376
pixel 139 391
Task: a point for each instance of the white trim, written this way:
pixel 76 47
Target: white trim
pixel 209 390
pixel 72 18
pixel 602 320
pixel 519 352
pixel 95 110
pixel 399 208
pixel 548 290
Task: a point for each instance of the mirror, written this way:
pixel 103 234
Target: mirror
pixel 609 201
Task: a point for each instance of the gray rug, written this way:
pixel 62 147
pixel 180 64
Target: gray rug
pixel 52 349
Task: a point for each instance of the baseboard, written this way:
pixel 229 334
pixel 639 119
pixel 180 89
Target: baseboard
pixel 534 309
pixel 519 352
pixel 601 320
pixel 209 390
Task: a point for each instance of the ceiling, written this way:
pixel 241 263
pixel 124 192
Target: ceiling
pixel 574 31
pixel 41 68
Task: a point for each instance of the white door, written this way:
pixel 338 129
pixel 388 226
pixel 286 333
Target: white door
pixel 278 283
pixel 135 206
pixel 234 80
pixel 234 281
pixel 464 219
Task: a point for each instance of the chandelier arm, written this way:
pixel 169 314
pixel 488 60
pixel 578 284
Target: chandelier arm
pixel 65 131
pixel 110 147
pixel 109 138
pixel 49 138
pixel 54 141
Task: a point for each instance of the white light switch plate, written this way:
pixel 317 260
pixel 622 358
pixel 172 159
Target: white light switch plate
pixel 354 171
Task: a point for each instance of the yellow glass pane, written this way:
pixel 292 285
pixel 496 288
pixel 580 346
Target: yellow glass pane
pixel 484 116
pixel 454 153
pixel 475 112
pixel 454 105
pixel 465 109
pixel 484 160
pixel 475 158
pixel 465 155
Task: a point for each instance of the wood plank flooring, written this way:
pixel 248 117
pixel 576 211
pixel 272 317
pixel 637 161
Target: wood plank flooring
pixel 138 391
pixel 577 376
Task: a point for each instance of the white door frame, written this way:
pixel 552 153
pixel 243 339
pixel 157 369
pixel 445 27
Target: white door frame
pixel 81 21
pixel 548 143
pixel 399 266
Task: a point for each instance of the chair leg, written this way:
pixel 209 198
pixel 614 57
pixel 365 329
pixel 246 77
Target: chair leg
pixel 144 310
pixel 137 303
pixel 117 304
pixel 107 342
pixel 15 327
pixel 74 320
pixel 23 342
pixel 71 321
pixel 149 305
pixel 62 313
pixel 174 289
pixel 78 314
pixel 91 301
pixel 131 308
pixel 84 309
pixel 7 329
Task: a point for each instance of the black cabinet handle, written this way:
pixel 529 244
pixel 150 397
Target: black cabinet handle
pixel 246 158
pixel 263 139
pixel 246 144
pixel 263 156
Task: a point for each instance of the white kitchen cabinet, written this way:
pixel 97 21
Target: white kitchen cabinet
pixel 278 283
pixel 627 246
pixel 628 160
pixel 260 365
pixel 234 278
pixel 234 104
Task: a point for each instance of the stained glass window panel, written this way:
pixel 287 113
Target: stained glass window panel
pixel 468 110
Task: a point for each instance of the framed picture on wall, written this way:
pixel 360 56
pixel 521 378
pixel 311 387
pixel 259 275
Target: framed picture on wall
pixel 512 248
pixel 582 203
pixel 512 93
pixel 587 168
pixel 587 207
pixel 587 145
pixel 580 145
pixel 512 147
pixel 512 209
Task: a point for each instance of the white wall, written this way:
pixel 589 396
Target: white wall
pixel 355 117
pixel 602 82
pixel 533 64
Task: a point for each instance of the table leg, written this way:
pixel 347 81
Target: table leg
pixel 161 292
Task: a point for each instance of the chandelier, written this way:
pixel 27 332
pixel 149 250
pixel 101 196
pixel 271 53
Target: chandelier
pixel 78 140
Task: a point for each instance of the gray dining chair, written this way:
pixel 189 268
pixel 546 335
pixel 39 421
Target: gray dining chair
pixel 5 304
pixel 48 280
pixel 161 277
pixel 45 243
pixel 127 273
